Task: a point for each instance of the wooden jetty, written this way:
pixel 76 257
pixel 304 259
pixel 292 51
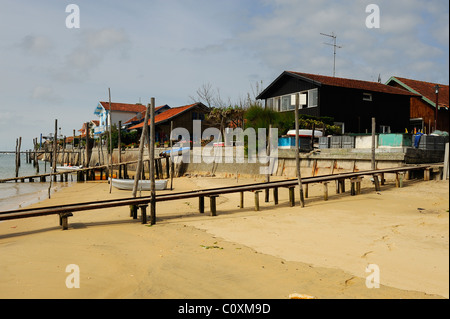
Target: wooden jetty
pixel 135 203
pixel 89 173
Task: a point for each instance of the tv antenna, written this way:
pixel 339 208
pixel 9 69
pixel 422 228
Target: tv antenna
pixel 334 46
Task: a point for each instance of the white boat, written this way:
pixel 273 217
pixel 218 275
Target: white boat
pixel 67 168
pixel 144 185
pixel 305 133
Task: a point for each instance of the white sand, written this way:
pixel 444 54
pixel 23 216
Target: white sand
pixel 321 250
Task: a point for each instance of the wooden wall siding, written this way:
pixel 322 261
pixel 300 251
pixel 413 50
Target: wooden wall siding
pixel 288 85
pixel 347 105
pixel 184 120
pixel 421 109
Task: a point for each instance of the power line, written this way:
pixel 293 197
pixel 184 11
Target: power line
pixel 334 46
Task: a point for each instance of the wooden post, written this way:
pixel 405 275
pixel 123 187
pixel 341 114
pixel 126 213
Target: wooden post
pixel 275 195
pixel 291 196
pixel 172 165
pixel 152 156
pixel 241 204
pixel 111 147
pixel 161 176
pixel 212 203
pixel 297 155
pixel 306 190
pixel 86 159
pixel 137 176
pixel 36 162
pixel 325 190
pixel 133 211
pixel 53 170
pixel 427 174
pixel 312 136
pixel 18 142
pixel 266 191
pixel 352 187
pixel 156 166
pixel 73 149
pixel 373 144
pixel 63 220
pixel 201 204
pixel 445 173
pixel 167 167
pixel 400 179
pixel 143 208
pixel 257 200
pixel 376 182
pixel 63 151
pixel 125 171
pixel 119 142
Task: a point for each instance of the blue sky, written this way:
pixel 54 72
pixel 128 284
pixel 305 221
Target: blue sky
pixel 168 49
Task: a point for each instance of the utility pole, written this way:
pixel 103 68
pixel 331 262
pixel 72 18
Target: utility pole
pixel 333 36
pixel 437 87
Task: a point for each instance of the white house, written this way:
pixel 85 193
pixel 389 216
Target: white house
pixel 119 112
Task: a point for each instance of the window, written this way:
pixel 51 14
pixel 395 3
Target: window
pixel 270 104
pixel 303 98
pixel 313 97
pixel 285 103
pixel 367 97
pixel 341 125
pixel 194 115
pixel 276 104
pixel 385 129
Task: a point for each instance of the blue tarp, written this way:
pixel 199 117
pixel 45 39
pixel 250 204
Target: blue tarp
pixel 417 139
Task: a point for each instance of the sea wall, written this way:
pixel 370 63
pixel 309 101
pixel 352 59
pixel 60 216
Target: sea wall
pixel 317 162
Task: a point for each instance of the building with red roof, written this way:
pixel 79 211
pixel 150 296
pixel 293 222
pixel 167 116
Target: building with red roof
pixel 179 117
pixel 139 118
pixel 118 111
pixel 423 106
pixel 351 103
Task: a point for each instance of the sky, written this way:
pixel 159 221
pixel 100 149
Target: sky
pixel 168 49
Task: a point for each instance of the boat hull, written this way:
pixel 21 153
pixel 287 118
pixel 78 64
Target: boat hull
pixel 61 169
pixel 144 185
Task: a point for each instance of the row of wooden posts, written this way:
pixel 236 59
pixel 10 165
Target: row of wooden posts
pixel 355 189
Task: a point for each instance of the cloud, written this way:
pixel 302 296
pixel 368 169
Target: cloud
pixel 45 94
pixel 37 45
pixel 93 47
pixel 288 37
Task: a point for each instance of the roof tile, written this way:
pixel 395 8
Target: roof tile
pixel 354 84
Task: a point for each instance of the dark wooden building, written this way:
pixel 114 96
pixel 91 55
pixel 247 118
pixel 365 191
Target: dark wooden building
pixel 351 103
pixel 180 117
pixel 423 106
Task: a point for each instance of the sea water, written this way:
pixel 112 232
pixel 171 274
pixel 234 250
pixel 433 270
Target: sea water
pixel 15 195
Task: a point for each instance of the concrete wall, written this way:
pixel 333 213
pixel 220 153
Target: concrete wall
pixel 319 162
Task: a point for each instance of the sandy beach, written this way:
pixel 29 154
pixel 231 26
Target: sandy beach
pixel 321 250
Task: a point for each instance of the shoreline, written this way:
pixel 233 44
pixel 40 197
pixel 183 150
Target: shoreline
pixel 247 254
pixel 29 196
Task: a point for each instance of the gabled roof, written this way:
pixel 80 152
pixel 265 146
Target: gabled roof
pixel 170 114
pixel 321 80
pixel 141 117
pixel 121 107
pixel 425 89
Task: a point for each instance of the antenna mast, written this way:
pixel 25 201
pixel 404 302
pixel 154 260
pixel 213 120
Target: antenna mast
pixel 334 46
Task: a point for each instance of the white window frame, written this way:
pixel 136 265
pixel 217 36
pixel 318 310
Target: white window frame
pixel 311 98
pixel 342 125
pixel 385 129
pixel 367 97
